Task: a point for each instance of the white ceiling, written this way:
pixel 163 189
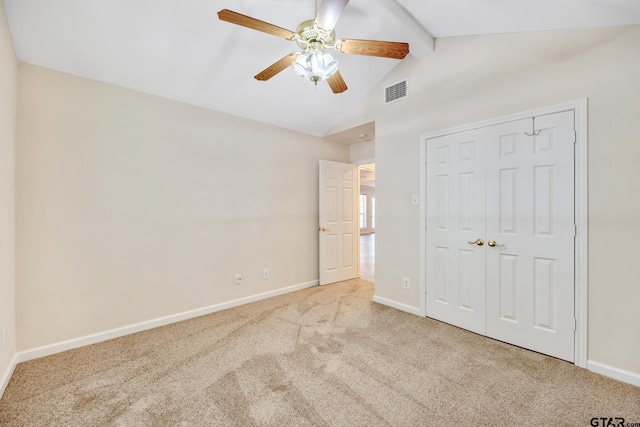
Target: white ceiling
pixel 180 50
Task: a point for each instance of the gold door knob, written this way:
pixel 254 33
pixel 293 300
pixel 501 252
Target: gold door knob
pixel 494 244
pixel 323 229
pixel 478 242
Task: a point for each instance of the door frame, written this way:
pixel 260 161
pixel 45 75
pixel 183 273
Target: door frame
pixel 580 210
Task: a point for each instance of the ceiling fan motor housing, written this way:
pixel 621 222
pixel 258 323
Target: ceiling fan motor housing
pixel 308 32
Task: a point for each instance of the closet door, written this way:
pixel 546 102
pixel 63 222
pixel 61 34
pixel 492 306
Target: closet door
pixel 530 216
pixel 455 265
pixel 510 186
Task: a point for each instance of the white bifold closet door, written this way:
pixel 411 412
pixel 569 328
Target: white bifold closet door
pixel 500 232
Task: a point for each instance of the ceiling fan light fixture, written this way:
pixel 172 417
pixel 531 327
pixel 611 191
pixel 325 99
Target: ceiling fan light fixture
pixel 314 36
pixel 314 65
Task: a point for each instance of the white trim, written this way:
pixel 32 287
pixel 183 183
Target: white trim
pixel 582 237
pixel 423 229
pixel 615 373
pixel 397 305
pixel 50 349
pixel 365 161
pixel 581 211
pixel 552 109
pixel 4 380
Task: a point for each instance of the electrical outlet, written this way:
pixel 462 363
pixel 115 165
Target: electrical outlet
pixel 237 279
pixel 265 273
pixel 405 283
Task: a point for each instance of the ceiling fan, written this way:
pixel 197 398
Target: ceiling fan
pixel 314 37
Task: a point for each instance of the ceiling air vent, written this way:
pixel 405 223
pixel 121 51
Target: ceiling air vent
pixel 395 92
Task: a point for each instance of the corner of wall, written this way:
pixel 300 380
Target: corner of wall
pixel 8 108
pixel 615 373
pixel 5 376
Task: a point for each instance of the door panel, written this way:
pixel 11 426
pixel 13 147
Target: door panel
pixel 455 216
pixel 543 275
pixel 508 265
pixel 338 226
pixel 530 214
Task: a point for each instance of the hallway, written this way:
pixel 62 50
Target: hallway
pixel 367 257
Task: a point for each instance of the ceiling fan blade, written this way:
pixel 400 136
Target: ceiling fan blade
pixel 394 50
pixel 274 69
pixel 329 12
pixel 336 82
pixel 255 24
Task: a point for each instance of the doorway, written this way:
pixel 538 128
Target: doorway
pixel 347 215
pixel 367 220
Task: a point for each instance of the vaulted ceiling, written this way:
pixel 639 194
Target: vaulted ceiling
pixel 182 51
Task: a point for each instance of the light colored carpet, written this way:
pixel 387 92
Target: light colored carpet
pixel 324 356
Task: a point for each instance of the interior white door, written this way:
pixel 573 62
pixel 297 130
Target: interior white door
pixel 515 192
pixel 456 230
pixel 338 228
pixel 530 216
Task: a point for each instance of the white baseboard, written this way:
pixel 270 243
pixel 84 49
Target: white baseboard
pixel 615 373
pixel 59 347
pixel 23 356
pixel 6 376
pixel 599 368
pixel 397 305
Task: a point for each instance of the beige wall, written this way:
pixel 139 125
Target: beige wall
pixel 362 152
pixel 8 89
pixel 469 79
pixel 132 207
